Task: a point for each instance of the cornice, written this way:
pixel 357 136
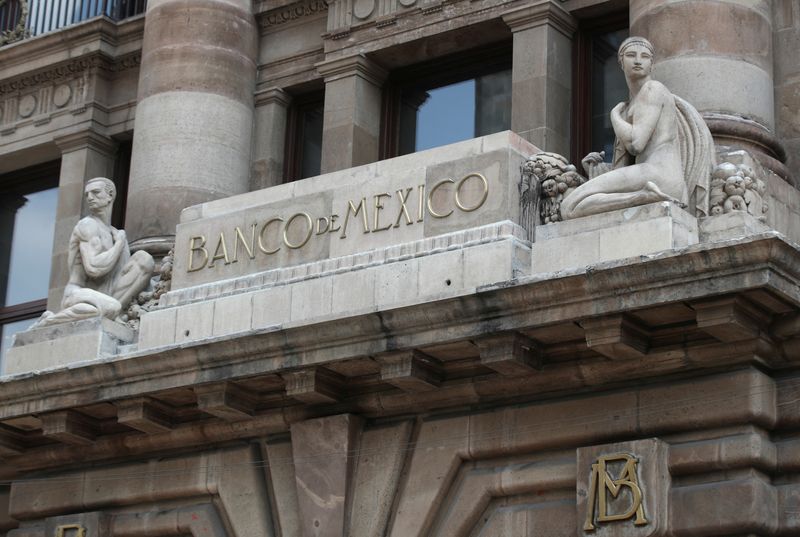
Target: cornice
pixel 96 60
pixel 358 65
pixel 272 95
pixel 290 13
pixel 86 139
pixel 76 40
pixel 545 12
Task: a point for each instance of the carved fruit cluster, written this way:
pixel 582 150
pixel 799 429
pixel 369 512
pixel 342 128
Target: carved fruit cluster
pixel 735 187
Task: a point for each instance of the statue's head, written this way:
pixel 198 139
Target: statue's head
pixel 100 192
pixel 636 56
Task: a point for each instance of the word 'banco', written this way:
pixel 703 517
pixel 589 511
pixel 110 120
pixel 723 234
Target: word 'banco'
pixel 293 232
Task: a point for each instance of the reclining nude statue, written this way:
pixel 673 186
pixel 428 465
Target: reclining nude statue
pixel 663 149
pixel 103 275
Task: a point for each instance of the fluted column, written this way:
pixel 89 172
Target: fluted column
pixel 194 120
pixel 717 54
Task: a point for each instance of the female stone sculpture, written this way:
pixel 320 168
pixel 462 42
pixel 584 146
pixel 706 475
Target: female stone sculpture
pixel 663 150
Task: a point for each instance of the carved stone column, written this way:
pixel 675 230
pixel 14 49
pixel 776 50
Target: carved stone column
pixel 351 128
pixel 194 121
pixel 718 56
pixel 270 137
pixel 84 155
pixel 541 74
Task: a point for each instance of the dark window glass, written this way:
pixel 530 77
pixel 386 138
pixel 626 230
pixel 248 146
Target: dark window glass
pixel 454 112
pixel 608 89
pixel 447 100
pixel 304 137
pixel 598 83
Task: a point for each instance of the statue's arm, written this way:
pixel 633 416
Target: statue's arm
pixel 636 134
pixel 96 262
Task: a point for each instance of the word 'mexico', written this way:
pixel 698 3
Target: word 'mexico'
pixel 295 231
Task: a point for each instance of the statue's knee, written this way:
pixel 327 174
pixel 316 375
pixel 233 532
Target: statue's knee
pixel 112 308
pixel 144 261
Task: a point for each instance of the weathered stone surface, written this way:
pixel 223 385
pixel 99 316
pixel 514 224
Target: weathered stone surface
pixel 614 235
pixel 66 343
pixel 324 460
pixel 344 213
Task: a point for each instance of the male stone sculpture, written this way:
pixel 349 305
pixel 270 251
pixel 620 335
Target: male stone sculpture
pixel 103 275
pixel 663 150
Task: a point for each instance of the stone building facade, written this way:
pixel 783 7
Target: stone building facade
pixel 357 335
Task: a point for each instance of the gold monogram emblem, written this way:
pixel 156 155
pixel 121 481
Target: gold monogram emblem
pixel 602 483
pixel 80 531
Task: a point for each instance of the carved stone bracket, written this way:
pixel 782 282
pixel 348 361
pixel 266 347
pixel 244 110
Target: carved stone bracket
pixel 143 414
pixel 730 318
pixel 313 386
pixel 225 400
pixel 69 427
pixel 510 353
pixel 411 371
pixel 618 337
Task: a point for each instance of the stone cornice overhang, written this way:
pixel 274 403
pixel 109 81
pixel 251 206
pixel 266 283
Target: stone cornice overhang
pixel 99 35
pixel 766 262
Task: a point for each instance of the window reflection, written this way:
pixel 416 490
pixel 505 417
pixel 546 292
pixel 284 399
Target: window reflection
pixel 432 117
pixel 28 202
pixel 30 250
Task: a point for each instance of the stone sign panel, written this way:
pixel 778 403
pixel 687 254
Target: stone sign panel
pixel 426 194
pixel 623 489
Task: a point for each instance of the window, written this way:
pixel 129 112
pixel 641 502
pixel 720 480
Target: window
pixel 28 201
pixel 600 85
pixel 446 101
pixel 304 137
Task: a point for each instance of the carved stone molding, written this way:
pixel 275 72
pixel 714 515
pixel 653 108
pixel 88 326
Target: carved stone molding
pixel 86 139
pixel 539 14
pixel 62 88
pixel 358 65
pixel 70 70
pixel 291 13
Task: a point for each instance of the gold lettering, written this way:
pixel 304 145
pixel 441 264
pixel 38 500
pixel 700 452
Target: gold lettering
pixel 601 483
pixel 362 207
pixel 403 208
pixel 332 229
pixel 421 203
pixel 220 252
pixel 197 248
pixel 320 230
pixel 80 531
pixel 430 199
pixel 308 234
pixel 240 237
pixel 485 194
pixel 261 236
pixel 376 216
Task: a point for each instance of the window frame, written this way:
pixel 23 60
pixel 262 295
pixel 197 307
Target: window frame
pixel 26 181
pixel 588 30
pixel 432 74
pixel 293 150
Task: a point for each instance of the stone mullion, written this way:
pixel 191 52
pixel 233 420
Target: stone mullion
pixel 541 75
